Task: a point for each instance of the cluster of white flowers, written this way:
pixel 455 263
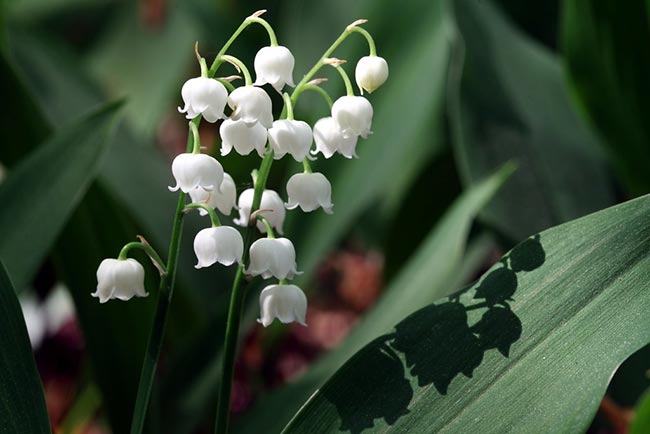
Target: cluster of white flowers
pixel 250 127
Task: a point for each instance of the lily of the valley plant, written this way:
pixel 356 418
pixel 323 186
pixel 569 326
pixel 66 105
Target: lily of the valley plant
pixel 247 126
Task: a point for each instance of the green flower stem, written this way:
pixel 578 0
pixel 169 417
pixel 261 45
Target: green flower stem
pixel 235 309
pixel 348 84
pixel 306 165
pixel 269 230
pixel 165 293
pixel 240 66
pixel 146 248
pixel 273 41
pixel 288 106
pixel 226 83
pixel 368 36
pixel 326 96
pixel 196 138
pixel 204 67
pixel 214 218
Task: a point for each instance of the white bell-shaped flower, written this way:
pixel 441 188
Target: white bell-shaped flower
pixel 119 278
pixel 274 65
pixel 288 136
pixel 222 244
pixel 271 208
pixel 370 73
pixel 251 104
pixel 196 170
pixel 204 96
pixel 353 115
pixel 244 138
pixel 329 139
pixel 223 200
pixel 273 257
pixel 285 302
pixel 309 191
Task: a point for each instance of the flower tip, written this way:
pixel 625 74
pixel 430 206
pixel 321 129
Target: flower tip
pixel 357 22
pixel 173 189
pixel 259 13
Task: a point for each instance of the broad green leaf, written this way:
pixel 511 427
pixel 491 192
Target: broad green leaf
pixel 529 348
pixel 22 404
pixel 641 422
pixel 508 100
pixel 607 57
pixel 431 273
pixel 43 190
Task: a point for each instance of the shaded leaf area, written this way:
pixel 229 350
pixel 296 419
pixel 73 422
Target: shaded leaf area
pixel 554 308
pixel 60 171
pixel 22 404
pixel 631 379
pixel 607 59
pixel 434 271
pixel 508 100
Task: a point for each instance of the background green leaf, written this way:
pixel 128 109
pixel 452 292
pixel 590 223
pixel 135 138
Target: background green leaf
pixel 22 405
pixel 545 322
pixel 641 422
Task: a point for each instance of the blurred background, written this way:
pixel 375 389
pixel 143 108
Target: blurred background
pixel 559 87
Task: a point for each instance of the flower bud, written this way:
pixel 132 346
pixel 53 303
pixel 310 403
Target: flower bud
pixel 251 104
pixel 271 206
pixel 370 73
pixel 274 65
pixel 223 244
pixel 288 136
pixel 353 115
pixel 273 258
pixel 223 200
pixel 204 96
pixel 309 191
pixel 119 278
pixel 244 138
pixel 196 170
pixel 285 302
pixel 329 139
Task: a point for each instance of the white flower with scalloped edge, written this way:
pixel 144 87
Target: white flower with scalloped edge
pixel 329 140
pixel 251 104
pixel 353 115
pixel 287 303
pixel 271 208
pixel 196 170
pixel 370 73
pixel 244 138
pixel 309 191
pixel 274 65
pixel 119 279
pixel 288 136
pixel 222 244
pixel 223 200
pixel 204 96
pixel 273 257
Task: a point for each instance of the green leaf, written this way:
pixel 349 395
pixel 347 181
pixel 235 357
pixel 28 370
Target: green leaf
pixel 431 273
pixel 508 100
pixel 607 56
pixel 43 190
pixel 641 422
pixel 530 347
pixel 22 404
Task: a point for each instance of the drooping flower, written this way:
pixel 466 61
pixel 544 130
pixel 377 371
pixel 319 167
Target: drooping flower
pixel 287 303
pixel 119 278
pixel 196 170
pixel 274 65
pixel 251 104
pixel 309 191
pixel 223 200
pixel 204 96
pixel 273 257
pixel 288 136
pixel 223 244
pixel 271 208
pixel 370 73
pixel 353 115
pixel 329 139
pixel 244 138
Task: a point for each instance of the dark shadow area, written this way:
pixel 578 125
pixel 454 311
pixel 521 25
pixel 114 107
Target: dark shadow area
pixel 433 345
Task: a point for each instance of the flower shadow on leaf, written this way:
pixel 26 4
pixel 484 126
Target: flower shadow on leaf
pixel 431 346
